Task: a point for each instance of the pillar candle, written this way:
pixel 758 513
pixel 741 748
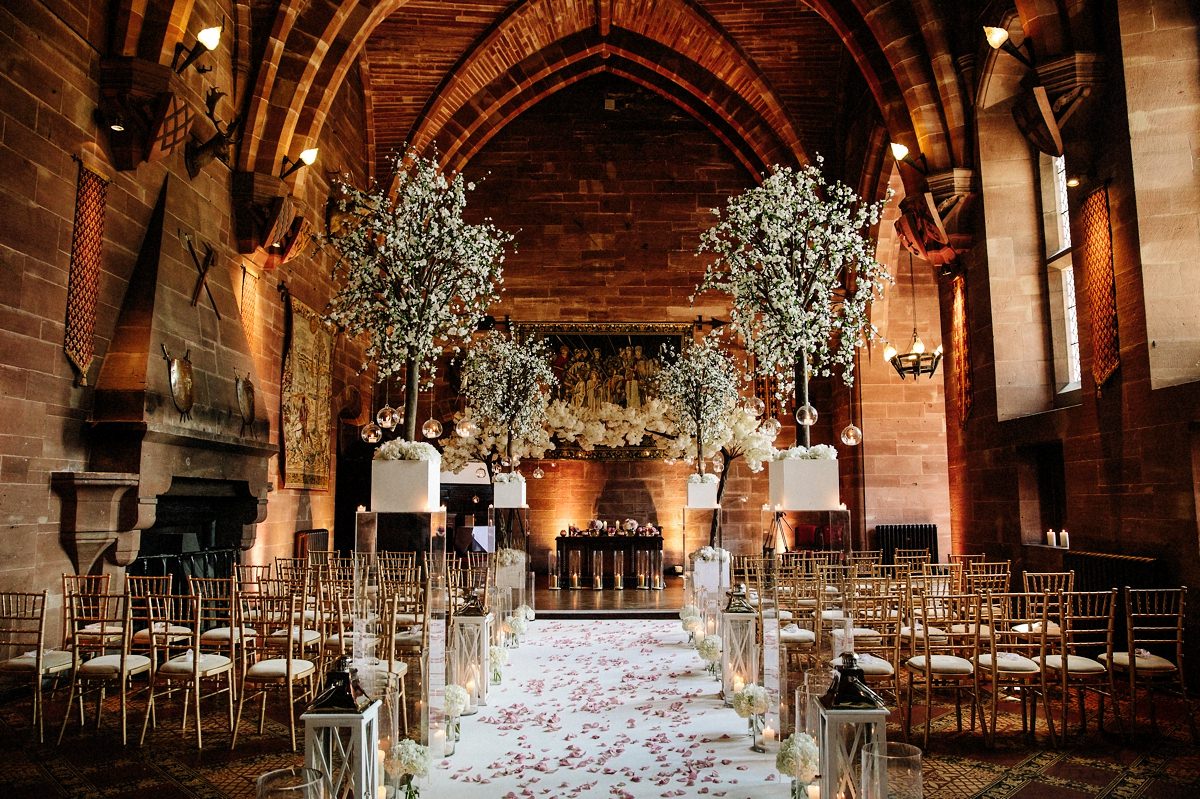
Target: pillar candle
pixel 1064 539
pixel 1050 539
pixel 768 735
pixel 814 791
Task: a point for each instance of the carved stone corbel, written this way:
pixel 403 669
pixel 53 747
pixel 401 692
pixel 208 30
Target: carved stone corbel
pixel 144 110
pixel 267 218
pixel 101 511
pixel 1051 94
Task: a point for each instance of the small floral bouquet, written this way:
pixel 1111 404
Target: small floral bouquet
pixel 696 478
pixel 514 627
pixel 509 557
pixel 497 657
pixel 799 758
pixel 709 648
pixel 630 525
pixel 752 700
pixel 408 759
pixel 597 524
pixel 509 477
pixel 709 554
pixel 457 700
pixel 817 452
pixel 688 610
pixel 400 450
pixel 692 625
pixel 525 612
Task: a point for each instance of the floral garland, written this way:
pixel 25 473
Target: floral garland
pixel 817 452
pixel 400 450
pixel 799 757
pixel 752 700
pixel 794 255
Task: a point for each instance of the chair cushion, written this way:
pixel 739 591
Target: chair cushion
pixel 856 633
pixel 1009 663
pixel 276 669
pixel 833 614
pixel 918 631
pixel 52 660
pixel 110 665
pixel 175 631
pixel 182 664
pixel 305 637
pixel 223 634
pixel 784 615
pixel 942 664
pixel 872 665
pixel 1147 662
pixel 1036 628
pixel 984 630
pixel 1076 664
pixel 410 637
pixel 404 617
pixel 793 634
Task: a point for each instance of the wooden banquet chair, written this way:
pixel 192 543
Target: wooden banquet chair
pixel 1009 661
pixel 23 652
pixel 1076 658
pixel 941 635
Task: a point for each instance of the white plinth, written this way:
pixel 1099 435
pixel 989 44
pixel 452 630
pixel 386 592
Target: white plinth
pixel 702 495
pixel 508 495
pixel 804 485
pixel 512 576
pixel 710 576
pixel 404 486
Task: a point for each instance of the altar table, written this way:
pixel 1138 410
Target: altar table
pixel 649 546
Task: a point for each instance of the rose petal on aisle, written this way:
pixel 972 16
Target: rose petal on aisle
pixel 615 708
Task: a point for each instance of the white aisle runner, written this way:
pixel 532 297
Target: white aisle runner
pixel 620 708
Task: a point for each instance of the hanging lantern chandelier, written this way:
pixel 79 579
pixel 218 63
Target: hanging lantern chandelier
pixel 916 361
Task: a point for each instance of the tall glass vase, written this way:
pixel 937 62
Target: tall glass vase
pixel 891 771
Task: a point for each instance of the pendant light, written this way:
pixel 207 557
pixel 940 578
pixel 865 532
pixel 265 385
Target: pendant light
pixel 916 361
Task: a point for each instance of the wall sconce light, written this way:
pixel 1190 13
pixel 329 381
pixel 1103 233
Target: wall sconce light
pixel 997 39
pixel 901 153
pixel 116 122
pixel 207 40
pixel 307 158
pixel 1073 182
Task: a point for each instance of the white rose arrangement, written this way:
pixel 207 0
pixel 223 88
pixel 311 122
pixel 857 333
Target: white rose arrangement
pixel 688 610
pixel 692 625
pixel 709 648
pixel 525 612
pixel 497 655
pixel 515 624
pixel 630 525
pixel 408 759
pixel 509 557
pixel 799 757
pixel 509 477
pixel 817 452
pixel 456 700
pixel 752 700
pixel 708 478
pixel 400 450
pixel 710 554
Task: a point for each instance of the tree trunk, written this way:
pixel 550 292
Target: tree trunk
pixel 715 525
pixel 412 387
pixel 802 381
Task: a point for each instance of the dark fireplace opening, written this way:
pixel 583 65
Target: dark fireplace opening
pixel 198 530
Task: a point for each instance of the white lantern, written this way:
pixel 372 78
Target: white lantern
pixel 470 649
pixel 739 652
pixel 849 720
pixel 344 747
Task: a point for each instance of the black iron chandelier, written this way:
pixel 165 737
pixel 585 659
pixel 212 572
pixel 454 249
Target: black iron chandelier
pixel 916 361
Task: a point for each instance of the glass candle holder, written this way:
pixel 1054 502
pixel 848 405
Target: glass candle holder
pixel 290 783
pixel 598 569
pixel 574 562
pixel 618 567
pixel 891 770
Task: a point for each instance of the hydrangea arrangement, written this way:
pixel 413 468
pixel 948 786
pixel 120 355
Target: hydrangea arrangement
pixel 696 478
pixel 817 452
pixel 509 477
pixel 693 624
pixel 688 610
pixel 413 277
pixel 799 758
pixel 795 257
pixel 497 655
pixel 709 554
pixel 752 700
pixel 400 450
pixel 525 612
pixel 406 760
pixel 709 648
pixel 509 557
pixel 515 624
pixel 456 700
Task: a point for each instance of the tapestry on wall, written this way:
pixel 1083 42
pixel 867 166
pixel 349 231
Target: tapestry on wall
pixel 83 281
pixel 305 396
pixel 1100 285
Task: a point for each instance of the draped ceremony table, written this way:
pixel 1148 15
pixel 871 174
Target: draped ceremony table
pixel 629 547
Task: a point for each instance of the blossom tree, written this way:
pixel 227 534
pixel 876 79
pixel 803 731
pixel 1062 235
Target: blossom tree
pixel 413 276
pixel 701 390
pixel 794 255
pixel 507 385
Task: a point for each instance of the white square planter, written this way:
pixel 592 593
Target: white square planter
pixel 405 486
pixel 804 485
pixel 702 495
pixel 508 495
pixel 710 576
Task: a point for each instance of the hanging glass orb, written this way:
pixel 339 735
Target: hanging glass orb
pixel 481 472
pixel 504 462
pixel 463 428
pixel 432 428
pixel 371 433
pixel 717 465
pixel 806 415
pixel 851 435
pixel 772 427
pixel 538 474
pixel 388 417
pixel 669 461
pixel 757 406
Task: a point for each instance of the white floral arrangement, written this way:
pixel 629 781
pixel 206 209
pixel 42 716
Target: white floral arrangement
pixel 497 655
pixel 408 757
pixel 630 525
pixel 515 624
pixel 701 390
pixel 709 648
pixel 693 625
pixel 688 610
pixel 457 700
pixel 525 612
pixel 509 477
pixel 710 554
pixel 509 557
pixel 799 757
pixel 795 255
pixel 752 700
pixel 817 452
pixel 695 478
pixel 400 450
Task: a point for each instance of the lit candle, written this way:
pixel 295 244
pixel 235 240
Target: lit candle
pixel 379 770
pixel 1064 539
pixel 814 791
pixel 381 792
pixel 470 686
pixel 738 683
pixel 1050 540
pixel 768 734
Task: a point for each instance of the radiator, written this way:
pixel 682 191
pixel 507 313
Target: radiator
pixel 1100 571
pixel 890 537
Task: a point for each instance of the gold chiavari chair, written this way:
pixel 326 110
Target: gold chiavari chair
pixel 82 585
pixel 875 634
pixel 833 591
pixel 964 561
pixel 1154 619
pixel 23 652
pixel 1009 662
pixel 101 632
pixel 250 575
pixel 224 631
pixel 863 563
pixel 1051 585
pixel 989 576
pixel 1077 658
pixel 912 559
pixel 186 663
pixel 150 597
pixel 943 660
pixel 896 573
pixel 477 560
pixel 943 578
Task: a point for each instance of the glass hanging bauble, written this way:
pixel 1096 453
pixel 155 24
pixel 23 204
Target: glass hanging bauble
pixel 851 435
pixel 538 474
pixel 806 415
pixel 431 429
pixel 772 427
pixel 757 406
pixel 481 472
pixel 465 428
pixel 388 417
pixel 718 465
pixel 371 433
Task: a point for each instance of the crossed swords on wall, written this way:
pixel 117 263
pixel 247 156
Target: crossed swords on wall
pixel 203 266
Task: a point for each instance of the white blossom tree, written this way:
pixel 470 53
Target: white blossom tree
pixel 701 389
pixel 413 276
pixel 794 255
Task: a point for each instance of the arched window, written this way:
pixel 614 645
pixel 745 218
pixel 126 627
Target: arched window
pixel 1060 274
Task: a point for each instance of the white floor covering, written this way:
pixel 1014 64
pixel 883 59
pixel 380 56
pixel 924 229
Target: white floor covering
pixel 620 708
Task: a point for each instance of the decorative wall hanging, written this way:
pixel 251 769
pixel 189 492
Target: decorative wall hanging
pixel 305 396
pixel 1100 284
pixel 960 346
pixel 249 302
pixel 87 239
pixel 244 388
pixel 203 266
pixel 179 377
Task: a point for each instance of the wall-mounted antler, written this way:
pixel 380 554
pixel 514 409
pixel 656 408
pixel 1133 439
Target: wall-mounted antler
pixel 199 154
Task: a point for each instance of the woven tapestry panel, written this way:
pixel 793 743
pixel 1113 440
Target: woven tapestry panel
pixel 83 281
pixel 306 399
pixel 960 346
pixel 1100 285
